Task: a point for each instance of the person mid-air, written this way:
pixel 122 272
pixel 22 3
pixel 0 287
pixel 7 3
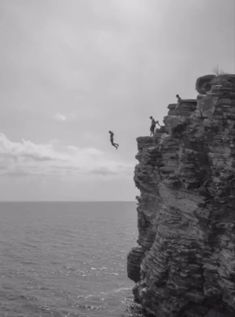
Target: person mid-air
pixel 153 125
pixel 112 141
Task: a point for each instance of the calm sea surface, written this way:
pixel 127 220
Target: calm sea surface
pixel 66 259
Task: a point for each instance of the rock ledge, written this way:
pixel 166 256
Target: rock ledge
pixel 184 264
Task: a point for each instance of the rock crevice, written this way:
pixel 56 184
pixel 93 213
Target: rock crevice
pixel 184 264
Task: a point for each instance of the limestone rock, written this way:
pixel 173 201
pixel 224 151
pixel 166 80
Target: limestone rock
pixel 184 265
pixel 203 84
pixel 134 259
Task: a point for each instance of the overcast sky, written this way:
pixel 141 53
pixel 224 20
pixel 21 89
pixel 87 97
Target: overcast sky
pixel 70 70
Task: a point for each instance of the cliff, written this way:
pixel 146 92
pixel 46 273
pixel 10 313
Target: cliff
pixel 184 264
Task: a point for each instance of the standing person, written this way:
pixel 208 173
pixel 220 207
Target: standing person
pixel 178 98
pixel 153 125
pixel 112 141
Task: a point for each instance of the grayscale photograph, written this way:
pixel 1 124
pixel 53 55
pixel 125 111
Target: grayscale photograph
pixel 117 158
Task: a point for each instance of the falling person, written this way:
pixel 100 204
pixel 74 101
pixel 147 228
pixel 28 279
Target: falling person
pixel 112 141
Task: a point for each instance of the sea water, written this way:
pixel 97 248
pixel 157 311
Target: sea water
pixel 66 259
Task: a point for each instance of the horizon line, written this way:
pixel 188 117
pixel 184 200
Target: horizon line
pixel 67 201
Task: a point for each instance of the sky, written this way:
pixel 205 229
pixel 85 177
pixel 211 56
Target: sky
pixel 70 70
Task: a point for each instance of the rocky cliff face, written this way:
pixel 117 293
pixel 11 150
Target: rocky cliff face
pixel 184 264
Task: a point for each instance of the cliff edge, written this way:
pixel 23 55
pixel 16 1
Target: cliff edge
pixel 184 264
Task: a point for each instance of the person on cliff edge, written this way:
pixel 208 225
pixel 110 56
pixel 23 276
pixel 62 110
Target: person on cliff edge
pixel 153 125
pixel 179 100
pixel 112 140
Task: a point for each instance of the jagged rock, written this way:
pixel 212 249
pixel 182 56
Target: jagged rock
pixel 134 259
pixel 184 265
pixel 203 84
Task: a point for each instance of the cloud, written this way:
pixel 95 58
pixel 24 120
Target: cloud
pixel 60 117
pixel 26 149
pixel 29 158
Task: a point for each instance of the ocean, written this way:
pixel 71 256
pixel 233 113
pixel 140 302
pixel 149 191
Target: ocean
pixel 66 259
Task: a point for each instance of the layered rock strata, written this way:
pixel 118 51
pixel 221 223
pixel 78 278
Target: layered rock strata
pixel 184 264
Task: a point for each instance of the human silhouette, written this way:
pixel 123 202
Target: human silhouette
pixel 112 141
pixel 153 125
pixel 178 101
pixel 178 98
